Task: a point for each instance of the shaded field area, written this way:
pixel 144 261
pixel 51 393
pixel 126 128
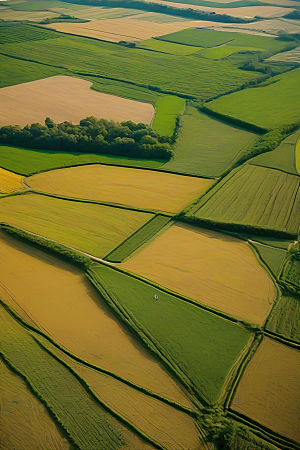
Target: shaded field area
pixel 265 106
pixel 91 228
pixel 74 315
pixel 269 390
pixel 254 196
pixel 202 347
pixel 66 99
pixel 135 187
pixel 290 56
pixel 24 421
pixel 10 182
pixel 272 257
pixel 285 318
pixel 211 268
pixel 207 146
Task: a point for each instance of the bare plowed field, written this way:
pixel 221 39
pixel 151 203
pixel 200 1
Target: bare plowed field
pixel 66 98
pixel 58 299
pixel 134 187
pixel 269 391
pixel 213 269
pixel 10 182
pixel 24 421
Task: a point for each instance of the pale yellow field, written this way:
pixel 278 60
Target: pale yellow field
pixel 57 298
pixel 172 429
pixel 209 267
pixel 135 187
pixel 24 421
pixel 269 391
pixel 10 182
pixel 272 26
pixel 290 56
pixel 34 16
pixel 66 98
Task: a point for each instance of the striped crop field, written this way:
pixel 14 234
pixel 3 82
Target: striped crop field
pixel 255 197
pixel 285 318
pixel 133 187
pixel 10 182
pixel 209 267
pixel 269 390
pixel 73 314
pixel 91 228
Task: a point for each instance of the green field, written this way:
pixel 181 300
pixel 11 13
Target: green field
pixel 91 228
pixel 285 318
pixel 202 345
pixel 291 272
pixel 167 47
pixel 23 33
pixel 266 106
pixel 258 197
pixel 297 155
pixel 207 146
pixel 226 50
pixel 271 256
pixel 138 239
pixel 28 161
pixel 283 157
pixel 167 108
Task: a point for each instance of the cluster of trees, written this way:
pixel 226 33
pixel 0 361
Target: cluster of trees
pixel 63 18
pixel 91 136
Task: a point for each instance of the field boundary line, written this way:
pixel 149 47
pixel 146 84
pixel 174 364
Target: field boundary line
pixel 273 168
pixel 282 339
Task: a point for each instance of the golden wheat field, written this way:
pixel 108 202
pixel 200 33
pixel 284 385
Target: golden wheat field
pixel 269 391
pixel 10 182
pixel 24 421
pixel 134 187
pixel 209 267
pixel 57 298
pixel 66 98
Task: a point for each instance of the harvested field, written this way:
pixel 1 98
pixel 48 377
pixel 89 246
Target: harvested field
pixel 164 424
pixel 211 268
pixel 24 421
pixel 91 228
pixel 73 314
pixel 269 391
pixel 207 146
pixel 290 56
pixel 254 196
pixel 89 425
pixel 10 182
pixel 272 26
pixel 134 187
pixel 34 16
pixel 66 98
pixel 96 12
pixel 285 318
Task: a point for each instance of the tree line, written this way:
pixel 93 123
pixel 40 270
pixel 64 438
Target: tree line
pixel 92 135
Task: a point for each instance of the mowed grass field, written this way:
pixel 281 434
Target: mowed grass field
pixel 58 299
pixel 254 196
pixel 24 420
pixel 167 109
pixel 134 187
pixel 66 98
pixel 266 106
pixel 207 146
pixel 91 228
pixel 269 390
pixel 202 345
pixel 209 267
pixel 285 318
pixel 10 182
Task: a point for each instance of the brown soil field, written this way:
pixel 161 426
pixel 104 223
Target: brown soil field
pixel 24 421
pixel 66 98
pixel 10 182
pixel 269 391
pixel 57 298
pixel 214 269
pixel 135 187
pixel 167 426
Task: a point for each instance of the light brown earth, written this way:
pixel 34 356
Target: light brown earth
pixel 269 391
pixel 272 26
pixel 66 98
pixel 57 298
pixel 290 56
pixel 214 269
pixel 34 16
pixel 10 182
pixel 24 421
pixel 134 187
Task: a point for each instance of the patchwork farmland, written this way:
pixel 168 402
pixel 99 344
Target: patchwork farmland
pixel 149 225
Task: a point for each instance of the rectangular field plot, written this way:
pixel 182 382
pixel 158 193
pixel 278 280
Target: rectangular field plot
pixel 203 347
pixel 10 182
pixel 269 391
pixel 167 47
pixel 66 98
pixel 216 270
pixel 134 187
pixel 91 228
pixel 207 146
pixel 256 197
pixel 266 106
pixel 285 318
pixel 58 299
